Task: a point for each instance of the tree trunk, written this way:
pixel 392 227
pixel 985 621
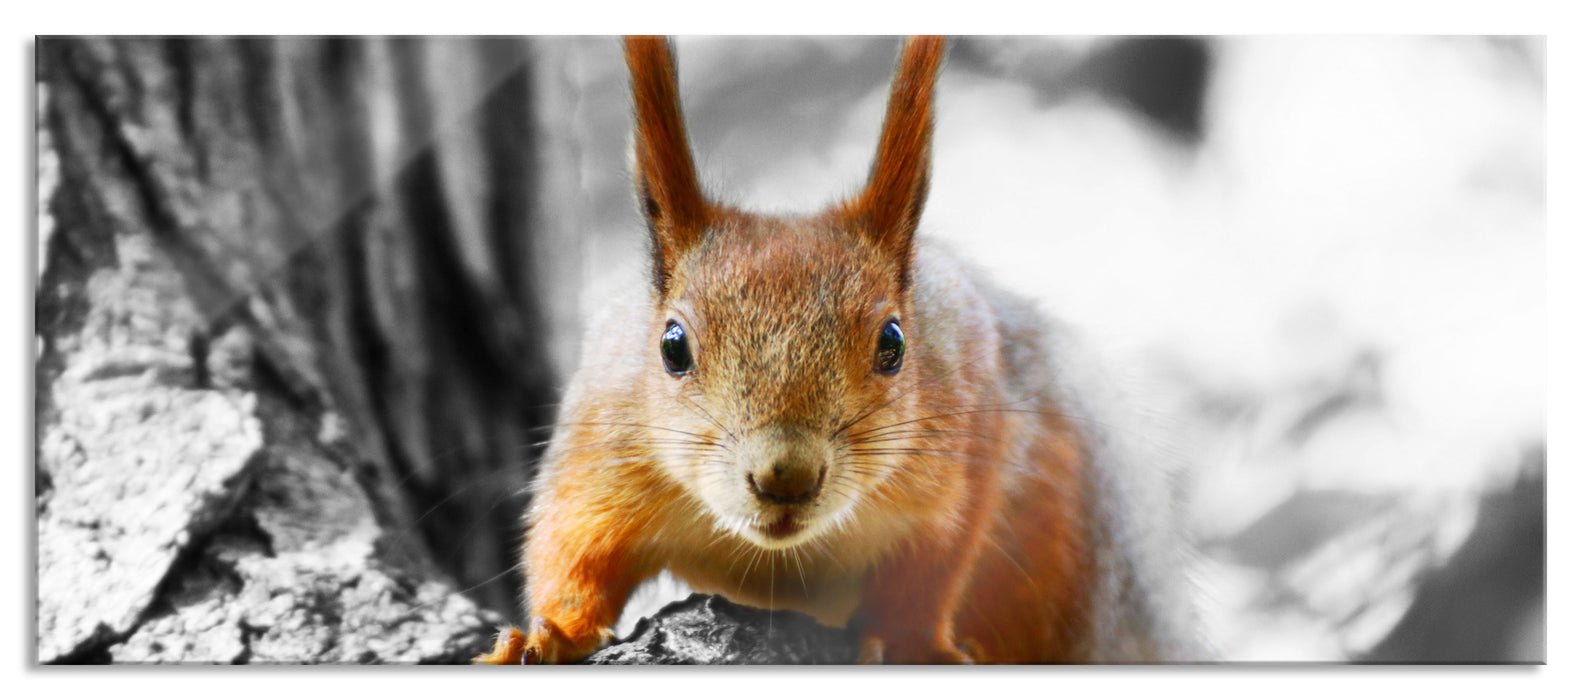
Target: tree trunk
pixel 287 376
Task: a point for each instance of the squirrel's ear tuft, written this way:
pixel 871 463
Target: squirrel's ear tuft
pixel 889 207
pixel 667 184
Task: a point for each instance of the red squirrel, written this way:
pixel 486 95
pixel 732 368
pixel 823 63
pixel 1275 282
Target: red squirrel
pixel 828 414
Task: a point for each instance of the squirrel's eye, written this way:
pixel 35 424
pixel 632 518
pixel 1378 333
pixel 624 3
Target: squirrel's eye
pixel 892 348
pixel 674 351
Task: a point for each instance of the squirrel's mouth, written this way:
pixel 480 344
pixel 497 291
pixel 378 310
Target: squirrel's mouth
pixel 782 530
pixel 787 525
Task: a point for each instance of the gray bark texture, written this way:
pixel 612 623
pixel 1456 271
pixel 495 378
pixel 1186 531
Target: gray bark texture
pixel 284 398
pixel 707 629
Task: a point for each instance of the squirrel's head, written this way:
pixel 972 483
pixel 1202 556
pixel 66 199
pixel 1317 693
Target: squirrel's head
pixel 778 342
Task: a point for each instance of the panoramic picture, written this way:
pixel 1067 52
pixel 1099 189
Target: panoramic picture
pixel 790 350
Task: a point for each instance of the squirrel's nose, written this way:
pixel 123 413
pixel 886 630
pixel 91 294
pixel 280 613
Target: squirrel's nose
pixel 785 483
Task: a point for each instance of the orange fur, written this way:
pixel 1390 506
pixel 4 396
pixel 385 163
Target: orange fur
pixel 667 183
pixel 890 207
pixel 954 518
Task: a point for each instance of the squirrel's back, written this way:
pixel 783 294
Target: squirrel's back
pixel 1136 595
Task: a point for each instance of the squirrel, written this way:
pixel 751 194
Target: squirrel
pixel 829 414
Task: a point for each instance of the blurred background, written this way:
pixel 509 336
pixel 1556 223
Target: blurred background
pixel 1320 260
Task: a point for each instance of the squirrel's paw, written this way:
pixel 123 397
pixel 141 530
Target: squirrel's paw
pixel 507 648
pixel 543 643
pixel 875 650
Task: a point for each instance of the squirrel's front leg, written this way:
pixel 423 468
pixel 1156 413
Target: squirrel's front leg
pixel 910 602
pixel 581 566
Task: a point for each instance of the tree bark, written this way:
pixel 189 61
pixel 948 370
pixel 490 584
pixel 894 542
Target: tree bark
pixel 707 629
pixel 287 380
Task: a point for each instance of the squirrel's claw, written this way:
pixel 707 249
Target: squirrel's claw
pixel 543 643
pixel 508 648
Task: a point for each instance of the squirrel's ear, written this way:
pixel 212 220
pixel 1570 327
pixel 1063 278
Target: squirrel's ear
pixel 890 205
pixel 667 183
